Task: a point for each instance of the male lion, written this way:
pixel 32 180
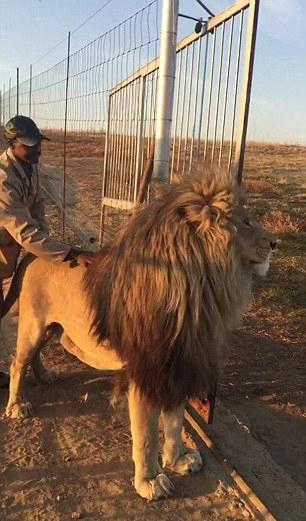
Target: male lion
pixel 160 302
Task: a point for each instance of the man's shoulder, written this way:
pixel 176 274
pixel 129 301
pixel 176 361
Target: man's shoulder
pixel 7 170
pixel 4 160
pixel 4 165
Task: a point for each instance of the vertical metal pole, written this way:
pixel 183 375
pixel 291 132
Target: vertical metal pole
pixel 17 91
pixel 30 90
pixel 3 105
pixel 105 169
pixel 65 135
pixel 229 58
pixel 9 99
pixel 139 151
pixel 165 90
pixel 246 88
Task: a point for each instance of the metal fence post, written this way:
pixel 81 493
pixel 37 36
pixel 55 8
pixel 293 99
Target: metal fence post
pixel 139 151
pixel 3 105
pixel 17 91
pixel 65 136
pixel 30 91
pixel 105 167
pixel 161 171
pixel 246 89
pixel 9 98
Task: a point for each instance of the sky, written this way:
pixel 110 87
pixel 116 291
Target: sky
pixel 30 28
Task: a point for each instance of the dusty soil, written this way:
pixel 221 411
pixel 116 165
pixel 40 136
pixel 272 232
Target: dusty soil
pixel 72 459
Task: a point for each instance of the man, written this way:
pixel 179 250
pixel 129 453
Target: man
pixel 22 217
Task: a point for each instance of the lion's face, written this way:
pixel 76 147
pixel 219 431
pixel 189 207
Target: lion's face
pixel 255 244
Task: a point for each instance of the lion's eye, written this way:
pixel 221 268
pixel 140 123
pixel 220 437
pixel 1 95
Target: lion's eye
pixel 247 222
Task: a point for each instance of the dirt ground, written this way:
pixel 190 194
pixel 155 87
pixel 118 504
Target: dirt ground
pixel 72 460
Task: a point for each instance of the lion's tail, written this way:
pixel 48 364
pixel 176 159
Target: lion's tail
pixel 15 287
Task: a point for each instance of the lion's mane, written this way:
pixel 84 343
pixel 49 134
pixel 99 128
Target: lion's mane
pixel 171 289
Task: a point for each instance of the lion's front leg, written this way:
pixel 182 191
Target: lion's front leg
pixel 150 483
pixel 176 456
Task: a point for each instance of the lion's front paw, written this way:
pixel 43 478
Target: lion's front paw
pixel 188 463
pixel 154 489
pixel 19 410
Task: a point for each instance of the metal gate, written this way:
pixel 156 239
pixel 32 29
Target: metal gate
pixel 210 112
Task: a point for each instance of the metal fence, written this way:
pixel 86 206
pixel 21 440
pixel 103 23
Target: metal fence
pixel 212 90
pixel 99 106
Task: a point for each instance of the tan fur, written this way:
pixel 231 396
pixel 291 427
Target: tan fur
pixel 160 302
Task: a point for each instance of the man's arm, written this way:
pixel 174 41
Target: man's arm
pixel 15 217
pixel 38 210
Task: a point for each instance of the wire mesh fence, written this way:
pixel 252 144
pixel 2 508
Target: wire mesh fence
pixel 98 105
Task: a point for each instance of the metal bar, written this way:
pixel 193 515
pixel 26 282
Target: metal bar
pixel 121 144
pixel 139 151
pixel 118 203
pixel 202 96
pixel 218 95
pixel 17 91
pixel 165 90
pixel 181 15
pixel 226 88
pixel 247 493
pixel 30 90
pixel 246 88
pixel 65 134
pixel 105 170
pixel 236 91
pixel 208 11
pixel 188 108
pixel 3 105
pixel 195 104
pixel 182 114
pixel 178 82
pixel 210 92
pixel 9 99
pixel 113 132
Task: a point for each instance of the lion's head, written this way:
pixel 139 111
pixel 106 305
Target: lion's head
pixel 175 284
pixel 254 243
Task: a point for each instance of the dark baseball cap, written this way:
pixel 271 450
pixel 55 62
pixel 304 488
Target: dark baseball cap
pixel 24 130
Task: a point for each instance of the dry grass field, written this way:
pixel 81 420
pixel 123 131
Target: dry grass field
pixel 70 460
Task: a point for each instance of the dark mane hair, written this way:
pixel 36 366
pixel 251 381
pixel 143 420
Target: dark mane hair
pixel 168 291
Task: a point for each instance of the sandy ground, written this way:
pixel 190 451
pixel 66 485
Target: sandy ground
pixel 72 459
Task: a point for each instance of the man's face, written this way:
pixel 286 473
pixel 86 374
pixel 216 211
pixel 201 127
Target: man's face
pixel 25 153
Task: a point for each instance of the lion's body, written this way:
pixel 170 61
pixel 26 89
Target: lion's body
pixel 165 297
pixel 60 290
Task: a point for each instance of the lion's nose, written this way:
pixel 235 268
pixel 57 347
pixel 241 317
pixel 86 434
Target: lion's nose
pixel 273 245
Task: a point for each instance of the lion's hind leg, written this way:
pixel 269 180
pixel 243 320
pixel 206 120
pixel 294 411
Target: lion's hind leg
pixel 150 482
pixel 43 374
pixel 175 455
pixel 30 334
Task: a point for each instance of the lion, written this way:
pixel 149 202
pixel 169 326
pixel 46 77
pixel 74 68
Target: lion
pixel 160 302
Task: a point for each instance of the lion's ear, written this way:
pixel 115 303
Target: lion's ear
pixel 223 201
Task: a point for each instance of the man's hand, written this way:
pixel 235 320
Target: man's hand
pixel 85 258
pixel 79 257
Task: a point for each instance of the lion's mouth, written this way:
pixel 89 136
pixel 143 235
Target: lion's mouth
pixel 261 267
